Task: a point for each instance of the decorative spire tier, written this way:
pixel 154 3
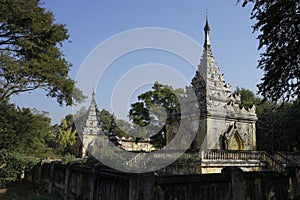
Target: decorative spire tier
pixel 206 30
pixel 92 126
pixel 208 83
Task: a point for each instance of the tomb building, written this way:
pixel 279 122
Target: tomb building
pixel 224 124
pixel 92 129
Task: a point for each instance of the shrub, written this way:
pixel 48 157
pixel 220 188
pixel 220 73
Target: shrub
pixel 12 165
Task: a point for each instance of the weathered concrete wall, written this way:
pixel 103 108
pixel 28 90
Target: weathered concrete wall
pixel 98 182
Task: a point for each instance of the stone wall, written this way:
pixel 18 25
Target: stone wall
pixel 82 182
pixel 95 182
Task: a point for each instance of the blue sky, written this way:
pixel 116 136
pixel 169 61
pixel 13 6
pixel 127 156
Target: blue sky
pixel 91 22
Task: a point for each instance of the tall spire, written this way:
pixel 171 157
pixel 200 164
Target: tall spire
pixel 92 125
pixel 207 30
pixel 93 101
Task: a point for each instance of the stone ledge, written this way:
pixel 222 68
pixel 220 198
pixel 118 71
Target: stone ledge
pixel 232 163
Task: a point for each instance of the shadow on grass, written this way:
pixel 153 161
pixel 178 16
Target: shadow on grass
pixel 25 191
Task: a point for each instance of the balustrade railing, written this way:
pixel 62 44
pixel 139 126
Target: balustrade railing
pixel 276 162
pixel 215 154
pixel 142 159
pixel 271 162
pixel 283 159
pixel 291 157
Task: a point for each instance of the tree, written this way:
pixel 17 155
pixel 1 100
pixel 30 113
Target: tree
pixel 160 95
pixel 25 130
pixel 153 108
pixel 25 134
pixel 105 119
pixel 277 128
pixel 248 99
pixel 12 165
pixel 30 57
pixel 122 127
pixel 80 118
pixel 66 138
pixel 278 24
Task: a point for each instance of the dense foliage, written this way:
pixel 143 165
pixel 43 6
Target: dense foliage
pixel 161 96
pixel 12 165
pixel 278 125
pixel 278 128
pixel 30 57
pixel 25 130
pixel 65 137
pixel 25 136
pixel 278 25
pixel 153 109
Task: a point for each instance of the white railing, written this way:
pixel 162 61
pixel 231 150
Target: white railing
pixel 272 163
pixel 136 160
pixel 215 154
pixel 142 159
pixel 290 157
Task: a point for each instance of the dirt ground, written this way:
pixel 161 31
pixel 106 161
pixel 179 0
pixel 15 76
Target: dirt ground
pixel 17 190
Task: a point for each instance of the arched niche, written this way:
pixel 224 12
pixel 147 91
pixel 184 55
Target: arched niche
pixel 235 142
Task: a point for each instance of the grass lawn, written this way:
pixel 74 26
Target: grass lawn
pixel 24 191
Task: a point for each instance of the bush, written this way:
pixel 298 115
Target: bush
pixel 68 158
pixel 12 165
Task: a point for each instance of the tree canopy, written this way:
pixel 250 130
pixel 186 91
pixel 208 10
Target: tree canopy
pixel 278 25
pixel 161 95
pixel 25 130
pixel 153 109
pixel 277 128
pixel 65 137
pixel 30 59
pixel 30 56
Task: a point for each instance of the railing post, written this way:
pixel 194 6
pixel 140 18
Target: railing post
pixel 67 181
pixel 92 182
pixel 141 186
pixel 39 167
pixel 294 173
pixel 236 182
pixel 51 177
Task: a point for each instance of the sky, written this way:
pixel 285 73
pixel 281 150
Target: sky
pixel 95 23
